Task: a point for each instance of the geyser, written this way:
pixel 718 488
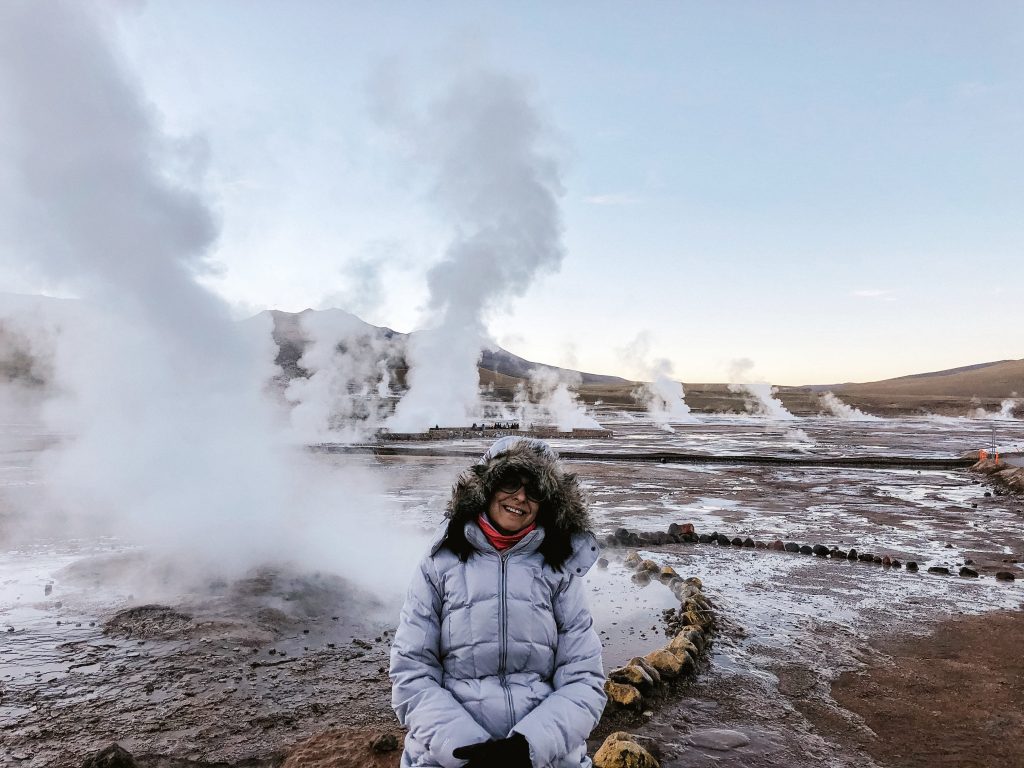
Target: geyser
pixel 496 184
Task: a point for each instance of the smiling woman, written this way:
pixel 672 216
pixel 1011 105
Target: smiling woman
pixel 496 661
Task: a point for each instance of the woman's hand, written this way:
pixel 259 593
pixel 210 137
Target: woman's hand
pixel 513 752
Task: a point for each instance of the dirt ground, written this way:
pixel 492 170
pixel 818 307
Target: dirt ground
pixel 952 698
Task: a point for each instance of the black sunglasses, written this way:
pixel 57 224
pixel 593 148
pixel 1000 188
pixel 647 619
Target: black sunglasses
pixel 512 483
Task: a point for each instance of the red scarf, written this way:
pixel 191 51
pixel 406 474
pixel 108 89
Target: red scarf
pixel 502 541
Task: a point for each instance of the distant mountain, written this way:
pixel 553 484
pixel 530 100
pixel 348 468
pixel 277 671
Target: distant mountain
pixel 291 340
pixel 995 380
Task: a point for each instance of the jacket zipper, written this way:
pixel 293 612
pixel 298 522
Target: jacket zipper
pixel 502 677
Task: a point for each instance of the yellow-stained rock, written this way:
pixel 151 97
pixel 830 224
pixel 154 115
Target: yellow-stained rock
pixel 650 565
pixel 682 644
pixel 632 560
pixel 696 582
pixel 668 572
pixel 619 752
pixel 666 662
pixel 623 695
pixel 633 674
pixel 701 619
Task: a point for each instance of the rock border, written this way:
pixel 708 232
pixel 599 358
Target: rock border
pixel 634 685
pixel 1004 476
pixel 684 533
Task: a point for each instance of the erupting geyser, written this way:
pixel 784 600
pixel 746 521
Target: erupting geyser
pixel 760 395
pixel 499 188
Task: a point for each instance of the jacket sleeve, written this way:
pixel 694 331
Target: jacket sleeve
pixel 565 719
pixel 431 713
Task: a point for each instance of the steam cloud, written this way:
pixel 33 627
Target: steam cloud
pixel 553 401
pixel 345 396
pixel 663 395
pixel 844 411
pixel 170 437
pixel 493 181
pixel 760 395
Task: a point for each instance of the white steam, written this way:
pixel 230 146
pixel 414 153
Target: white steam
pixel 171 438
pixel 345 397
pixel 662 395
pixel 498 188
pixel 759 394
pixel 844 411
pixel 550 399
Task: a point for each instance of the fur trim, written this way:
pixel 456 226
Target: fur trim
pixel 562 513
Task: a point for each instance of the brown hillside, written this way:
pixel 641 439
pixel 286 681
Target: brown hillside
pixel 990 380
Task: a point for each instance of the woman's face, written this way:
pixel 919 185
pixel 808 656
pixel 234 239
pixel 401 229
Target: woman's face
pixel 512 510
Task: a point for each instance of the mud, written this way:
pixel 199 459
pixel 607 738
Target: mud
pixel 241 673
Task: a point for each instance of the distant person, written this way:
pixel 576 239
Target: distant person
pixel 496 663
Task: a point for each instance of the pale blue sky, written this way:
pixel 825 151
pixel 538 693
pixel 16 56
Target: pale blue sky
pixel 833 189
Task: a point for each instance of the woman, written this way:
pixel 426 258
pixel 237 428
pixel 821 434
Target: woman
pixel 495 660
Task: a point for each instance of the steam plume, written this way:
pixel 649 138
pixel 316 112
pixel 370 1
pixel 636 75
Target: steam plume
pixel 663 395
pixel 844 411
pixel 554 401
pixel 171 438
pixel 498 188
pixel 760 395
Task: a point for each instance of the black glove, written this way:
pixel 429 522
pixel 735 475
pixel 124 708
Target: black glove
pixel 513 752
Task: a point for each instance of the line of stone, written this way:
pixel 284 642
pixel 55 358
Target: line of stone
pixel 636 683
pixel 684 533
pixel 662 457
pixel 1003 475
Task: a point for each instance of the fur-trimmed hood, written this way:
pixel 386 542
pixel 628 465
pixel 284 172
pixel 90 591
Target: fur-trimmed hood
pixel 563 512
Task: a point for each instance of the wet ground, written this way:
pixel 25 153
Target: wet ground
pixel 242 670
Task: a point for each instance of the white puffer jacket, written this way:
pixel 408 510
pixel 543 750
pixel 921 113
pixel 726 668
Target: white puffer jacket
pixel 501 642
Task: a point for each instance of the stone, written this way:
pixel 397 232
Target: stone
pixel 778 546
pixel 645 665
pixel 820 550
pixel 806 549
pixel 682 643
pixel 896 563
pixel 602 562
pixel 865 557
pixel 1005 576
pixel 723 540
pixel 876 559
pixel 853 554
pixel 840 554
pixel 887 561
pixel 719 739
pixel 792 546
pixel 748 542
pixel 618 751
pixel 760 545
pixel 611 541
pixel 622 534
pixel 114 756
pixel 385 742
pixel 650 566
pixel 702 619
pixel 939 569
pixel 736 541
pixel 623 695
pixel 968 572
pixel 633 675
pixel 705 538
pixel 911 566
pixel 688 529
pixel 668 664
pixel 632 560
pixel 668 572
pixel 695 581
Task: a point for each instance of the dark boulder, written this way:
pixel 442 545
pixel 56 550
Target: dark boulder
pixel 853 554
pixel 114 756
pixel 748 542
pixel 911 566
pixel 792 546
pixel 864 557
pixel 1005 576
pixel 777 546
pixel 968 572
pixel 806 549
pixel 705 538
pixel 941 570
pixel 736 541
pixel 820 550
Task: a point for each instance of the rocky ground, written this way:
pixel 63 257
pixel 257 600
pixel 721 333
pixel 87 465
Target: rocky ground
pixel 815 660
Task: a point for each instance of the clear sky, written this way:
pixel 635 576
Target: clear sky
pixel 832 189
